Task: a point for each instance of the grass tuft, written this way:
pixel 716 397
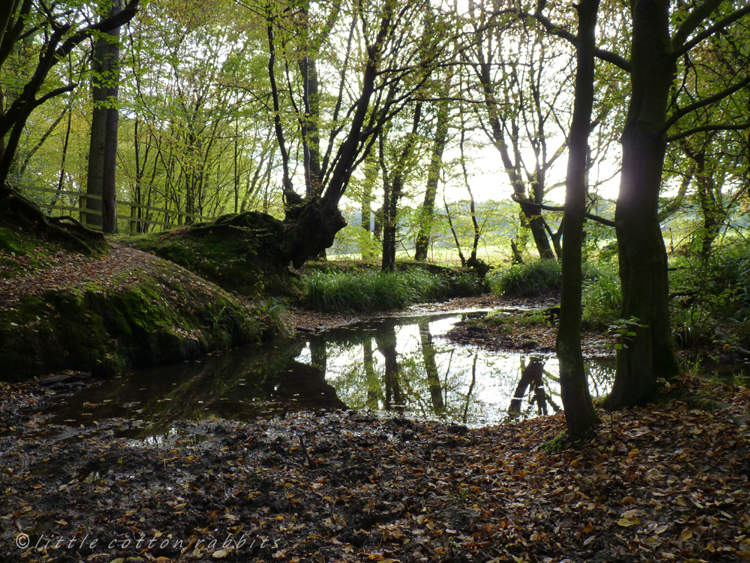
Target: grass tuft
pixel 527 280
pixel 372 291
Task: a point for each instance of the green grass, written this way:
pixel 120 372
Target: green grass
pixel 602 295
pixel 531 279
pixel 372 291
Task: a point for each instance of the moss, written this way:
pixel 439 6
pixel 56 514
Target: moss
pixel 237 252
pixel 169 316
pixel 12 242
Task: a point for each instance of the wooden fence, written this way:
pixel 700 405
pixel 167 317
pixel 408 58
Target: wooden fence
pixel 127 212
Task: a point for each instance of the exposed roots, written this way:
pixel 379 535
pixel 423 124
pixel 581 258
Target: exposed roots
pixel 16 209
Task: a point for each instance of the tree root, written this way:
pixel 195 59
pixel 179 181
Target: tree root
pixel 15 208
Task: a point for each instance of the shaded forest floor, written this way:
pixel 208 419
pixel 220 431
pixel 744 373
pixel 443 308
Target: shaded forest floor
pixel 670 482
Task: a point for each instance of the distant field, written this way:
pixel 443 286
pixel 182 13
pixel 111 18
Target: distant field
pixel 492 254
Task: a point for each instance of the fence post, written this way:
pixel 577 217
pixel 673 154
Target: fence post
pixel 82 209
pixel 133 225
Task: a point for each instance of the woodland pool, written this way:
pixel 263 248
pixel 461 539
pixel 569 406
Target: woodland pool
pixel 402 365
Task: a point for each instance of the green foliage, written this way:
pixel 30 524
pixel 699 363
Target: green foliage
pixel 372 291
pixel 527 280
pixel 602 296
pixel 710 293
pixel 624 330
pixel 692 327
pixel 466 284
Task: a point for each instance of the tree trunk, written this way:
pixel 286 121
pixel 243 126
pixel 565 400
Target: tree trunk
pixel 649 354
pixel 426 213
pixel 393 190
pixel 712 211
pixel 580 414
pixel 311 228
pixel 455 234
pixel 373 387
pixel 104 124
pixel 386 343
pixel 371 173
pixel 531 376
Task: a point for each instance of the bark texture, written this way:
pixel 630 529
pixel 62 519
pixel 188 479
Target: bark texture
pixel 580 414
pixel 650 354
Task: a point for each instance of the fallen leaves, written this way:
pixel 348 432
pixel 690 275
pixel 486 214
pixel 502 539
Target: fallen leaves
pixel 647 487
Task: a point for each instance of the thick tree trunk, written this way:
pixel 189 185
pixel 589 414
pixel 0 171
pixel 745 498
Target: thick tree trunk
pixel 311 228
pixel 649 354
pixel 580 414
pixel 104 123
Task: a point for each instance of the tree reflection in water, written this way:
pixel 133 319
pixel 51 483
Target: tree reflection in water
pixel 406 365
pixel 532 378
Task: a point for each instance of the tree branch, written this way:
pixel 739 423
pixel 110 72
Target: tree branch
pixel 680 43
pixel 713 127
pixel 546 207
pixel 679 114
pixel 693 20
pixel 556 30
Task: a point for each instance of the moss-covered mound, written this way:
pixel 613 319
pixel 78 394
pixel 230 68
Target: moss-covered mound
pixel 242 253
pixel 62 310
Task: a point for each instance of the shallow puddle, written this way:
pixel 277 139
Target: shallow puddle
pixel 399 365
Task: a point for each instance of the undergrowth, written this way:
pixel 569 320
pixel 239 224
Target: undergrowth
pixel 527 280
pixel 711 295
pixel 369 291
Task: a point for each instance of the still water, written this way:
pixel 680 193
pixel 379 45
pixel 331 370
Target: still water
pixel 400 365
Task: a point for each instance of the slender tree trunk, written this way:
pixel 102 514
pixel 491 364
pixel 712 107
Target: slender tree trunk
pixel 426 213
pixel 64 157
pixel 393 190
pixel 371 174
pixel 712 211
pixel 455 234
pixel 650 354
pixel 580 414
pixel 310 127
pixel 373 387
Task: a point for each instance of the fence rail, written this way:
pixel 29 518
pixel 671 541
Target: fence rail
pixel 131 216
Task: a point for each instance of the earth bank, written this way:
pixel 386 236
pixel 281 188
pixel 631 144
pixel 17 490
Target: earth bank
pixel 107 312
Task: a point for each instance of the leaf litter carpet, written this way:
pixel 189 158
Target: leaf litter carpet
pixel 664 483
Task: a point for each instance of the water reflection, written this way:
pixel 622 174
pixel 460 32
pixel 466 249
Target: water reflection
pixel 408 366
pixel 240 384
pixel 403 365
